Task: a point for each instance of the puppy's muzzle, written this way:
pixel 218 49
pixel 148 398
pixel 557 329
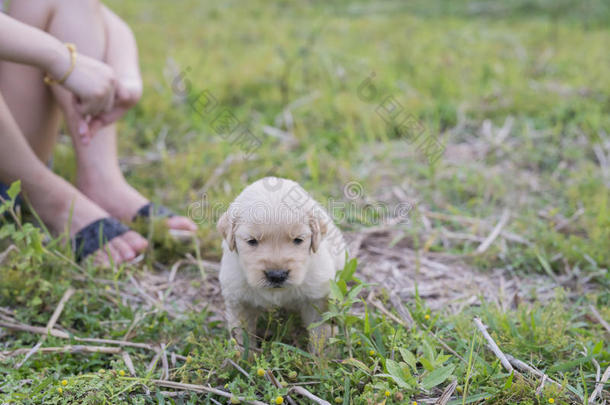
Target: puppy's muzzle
pixel 276 277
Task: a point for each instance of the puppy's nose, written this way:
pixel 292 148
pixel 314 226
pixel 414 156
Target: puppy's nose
pixel 276 276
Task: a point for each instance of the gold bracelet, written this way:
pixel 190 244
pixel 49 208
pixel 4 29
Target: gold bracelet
pixel 47 77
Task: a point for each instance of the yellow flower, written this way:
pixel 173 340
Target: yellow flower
pixel 122 373
pixel 338 400
pixel 260 372
pixel 60 390
pixel 387 393
pixel 279 400
pixel 371 352
pixel 189 359
pixel 427 316
pixel 102 371
pixel 64 382
pixel 551 400
pixel 414 402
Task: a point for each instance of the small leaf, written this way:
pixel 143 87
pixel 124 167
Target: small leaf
pixel 14 189
pixel 426 363
pixel 437 377
pixel 396 373
pixel 367 323
pixel 357 363
pixel 545 264
pixel 509 381
pixel 597 349
pixel 342 286
pixel 355 291
pixel 346 387
pixel 429 352
pixel 409 358
pixel 335 292
pixel 348 270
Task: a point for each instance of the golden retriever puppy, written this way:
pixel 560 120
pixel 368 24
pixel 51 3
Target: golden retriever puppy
pixel 280 249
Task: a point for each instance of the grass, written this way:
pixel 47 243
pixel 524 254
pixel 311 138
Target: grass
pixel 464 70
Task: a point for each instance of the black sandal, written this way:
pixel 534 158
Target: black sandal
pixel 152 210
pixel 95 235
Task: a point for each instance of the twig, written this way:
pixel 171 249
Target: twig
pixel 7 311
pixel 155 303
pixel 128 363
pixel 523 366
pixel 8 250
pixel 241 370
pixel 174 270
pixel 447 394
pixel 52 321
pixel 599 386
pixel 174 394
pixel 34 329
pixel 565 222
pixel 116 342
pixel 165 373
pixel 153 363
pixel 494 233
pixel 202 388
pixel 66 349
pixel 60 308
pixel 404 312
pixel 63 335
pixel 302 391
pixel 390 315
pixel 493 346
pixel 541 386
pixel 599 318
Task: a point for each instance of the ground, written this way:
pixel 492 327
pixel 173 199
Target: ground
pixel 462 147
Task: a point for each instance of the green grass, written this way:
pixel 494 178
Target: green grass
pixel 452 65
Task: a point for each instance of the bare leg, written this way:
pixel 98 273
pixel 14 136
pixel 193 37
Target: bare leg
pixel 37 116
pixel 53 198
pixel 99 178
pixel 99 175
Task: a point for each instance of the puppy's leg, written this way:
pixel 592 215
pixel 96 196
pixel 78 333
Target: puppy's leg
pixel 311 313
pixel 241 320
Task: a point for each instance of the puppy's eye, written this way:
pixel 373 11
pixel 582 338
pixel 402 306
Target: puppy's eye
pixel 252 242
pixel 297 241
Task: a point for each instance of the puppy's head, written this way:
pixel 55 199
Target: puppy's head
pixel 273 237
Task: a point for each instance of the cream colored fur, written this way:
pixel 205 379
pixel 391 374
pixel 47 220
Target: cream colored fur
pixel 277 213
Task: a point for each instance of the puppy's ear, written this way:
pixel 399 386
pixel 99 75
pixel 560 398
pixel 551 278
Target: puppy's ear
pixel 319 227
pixel 226 226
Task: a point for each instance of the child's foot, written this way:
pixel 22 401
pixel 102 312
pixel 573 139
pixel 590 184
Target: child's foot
pixel 117 197
pixel 60 205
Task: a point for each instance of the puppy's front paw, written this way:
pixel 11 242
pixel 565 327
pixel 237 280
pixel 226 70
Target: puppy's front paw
pixel 246 342
pixel 241 321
